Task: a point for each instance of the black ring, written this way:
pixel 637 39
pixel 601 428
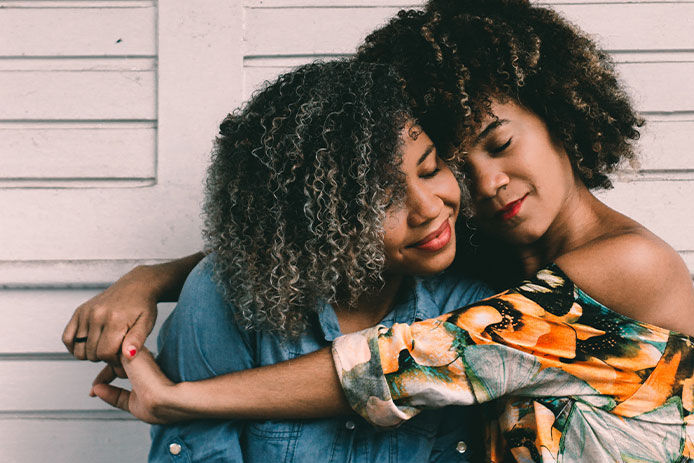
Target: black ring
pixel 82 339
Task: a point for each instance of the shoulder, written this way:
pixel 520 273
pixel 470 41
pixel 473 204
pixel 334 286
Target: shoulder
pixel 637 274
pixel 201 301
pixel 197 337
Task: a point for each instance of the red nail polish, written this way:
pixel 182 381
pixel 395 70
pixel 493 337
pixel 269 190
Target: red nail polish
pixel 132 352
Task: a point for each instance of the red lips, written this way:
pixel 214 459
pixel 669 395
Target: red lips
pixel 511 209
pixel 435 240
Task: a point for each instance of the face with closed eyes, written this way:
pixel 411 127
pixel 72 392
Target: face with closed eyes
pixel 522 182
pixel 420 228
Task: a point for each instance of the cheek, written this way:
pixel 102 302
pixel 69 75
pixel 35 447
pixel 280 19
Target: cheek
pixel 449 190
pixel 395 230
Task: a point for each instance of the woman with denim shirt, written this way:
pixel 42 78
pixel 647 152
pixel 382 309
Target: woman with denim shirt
pixel 328 210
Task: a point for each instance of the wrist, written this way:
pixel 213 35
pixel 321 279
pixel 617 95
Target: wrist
pixel 146 281
pixel 179 402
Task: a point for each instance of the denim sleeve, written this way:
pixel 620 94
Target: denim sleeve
pixel 201 339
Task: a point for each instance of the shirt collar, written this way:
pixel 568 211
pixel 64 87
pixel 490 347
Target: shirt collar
pixel 414 302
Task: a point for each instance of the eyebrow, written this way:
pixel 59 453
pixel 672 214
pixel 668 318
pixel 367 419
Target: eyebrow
pixel 426 154
pixel 492 126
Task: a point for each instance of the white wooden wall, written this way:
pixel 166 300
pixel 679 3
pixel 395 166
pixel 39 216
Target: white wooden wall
pixel 107 113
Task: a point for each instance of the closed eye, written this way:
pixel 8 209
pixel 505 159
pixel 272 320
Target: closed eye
pixel 431 174
pixel 501 148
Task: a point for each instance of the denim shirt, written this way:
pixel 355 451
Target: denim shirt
pixel 201 339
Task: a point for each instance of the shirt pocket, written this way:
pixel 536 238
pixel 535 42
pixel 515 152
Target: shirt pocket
pixel 273 441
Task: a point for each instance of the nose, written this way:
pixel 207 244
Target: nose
pixel 487 178
pixel 424 205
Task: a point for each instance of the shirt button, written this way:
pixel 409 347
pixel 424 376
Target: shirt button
pixel 461 447
pixel 350 425
pixel 174 449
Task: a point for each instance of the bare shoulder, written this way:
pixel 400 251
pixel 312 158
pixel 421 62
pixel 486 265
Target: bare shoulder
pixel 637 274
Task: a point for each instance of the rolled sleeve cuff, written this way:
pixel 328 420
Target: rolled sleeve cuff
pixel 358 363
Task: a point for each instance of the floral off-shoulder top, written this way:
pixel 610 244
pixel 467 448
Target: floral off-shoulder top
pixel 570 380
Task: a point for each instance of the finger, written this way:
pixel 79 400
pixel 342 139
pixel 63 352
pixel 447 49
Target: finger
pixel 119 371
pixel 135 338
pixel 70 331
pixel 105 376
pixel 93 336
pixel 143 371
pixel 113 395
pixel 79 348
pixel 110 341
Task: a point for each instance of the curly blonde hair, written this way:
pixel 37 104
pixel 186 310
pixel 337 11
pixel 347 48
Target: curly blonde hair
pixel 297 191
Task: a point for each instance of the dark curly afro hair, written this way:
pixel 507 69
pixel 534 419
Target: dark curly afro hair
pixel 458 54
pixel 297 191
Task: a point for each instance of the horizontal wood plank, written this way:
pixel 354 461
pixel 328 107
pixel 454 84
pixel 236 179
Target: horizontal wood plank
pixel 632 26
pixel 138 223
pixel 299 31
pixel 655 86
pixel 97 95
pixel 662 206
pixel 49 385
pixel 79 64
pixel 45 151
pixel 660 87
pixel 403 3
pixel 688 257
pixel 67 273
pixel 126 224
pixel 78 31
pixel 635 26
pixel 70 441
pixel 666 145
pixel 35 319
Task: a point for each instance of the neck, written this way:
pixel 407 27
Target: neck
pixel 370 308
pixel 578 222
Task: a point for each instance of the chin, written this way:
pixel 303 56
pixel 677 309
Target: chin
pixel 437 264
pixel 517 236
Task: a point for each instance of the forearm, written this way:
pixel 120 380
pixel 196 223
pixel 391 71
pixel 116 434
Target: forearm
pixel 163 282
pixel 305 387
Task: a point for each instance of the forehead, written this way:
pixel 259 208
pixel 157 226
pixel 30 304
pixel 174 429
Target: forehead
pixel 413 138
pixel 501 114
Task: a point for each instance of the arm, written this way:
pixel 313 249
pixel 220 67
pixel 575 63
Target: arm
pixel 201 339
pixel 508 344
pixel 250 394
pixel 124 313
pixel 377 367
pixel 197 343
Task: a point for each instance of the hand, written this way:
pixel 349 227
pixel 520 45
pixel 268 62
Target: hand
pixel 122 315
pixel 151 393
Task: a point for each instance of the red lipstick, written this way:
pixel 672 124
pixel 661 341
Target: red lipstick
pixel 435 240
pixel 511 209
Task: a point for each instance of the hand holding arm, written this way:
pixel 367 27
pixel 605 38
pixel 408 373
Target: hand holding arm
pixel 306 387
pixel 124 314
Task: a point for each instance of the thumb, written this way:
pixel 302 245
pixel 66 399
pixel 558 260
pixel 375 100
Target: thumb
pixel 143 371
pixel 134 339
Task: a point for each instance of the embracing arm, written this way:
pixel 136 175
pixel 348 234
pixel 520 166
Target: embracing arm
pixel 125 312
pixel 305 387
pixel 529 341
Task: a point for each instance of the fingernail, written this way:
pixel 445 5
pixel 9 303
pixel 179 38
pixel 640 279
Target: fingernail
pixel 132 351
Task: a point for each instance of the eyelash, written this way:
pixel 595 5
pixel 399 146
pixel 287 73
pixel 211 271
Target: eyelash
pixel 432 173
pixel 499 149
